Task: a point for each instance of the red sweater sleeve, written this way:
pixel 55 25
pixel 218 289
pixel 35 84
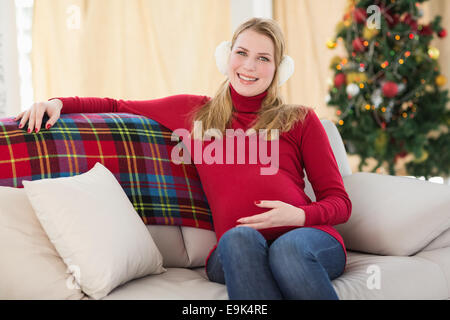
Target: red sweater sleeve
pixel 171 111
pixel 333 205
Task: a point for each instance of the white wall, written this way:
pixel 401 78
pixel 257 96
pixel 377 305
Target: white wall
pixel 9 68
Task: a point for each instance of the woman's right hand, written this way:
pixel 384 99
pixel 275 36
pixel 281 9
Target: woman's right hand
pixel 35 114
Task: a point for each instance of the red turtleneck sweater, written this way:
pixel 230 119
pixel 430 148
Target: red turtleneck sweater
pixel 232 188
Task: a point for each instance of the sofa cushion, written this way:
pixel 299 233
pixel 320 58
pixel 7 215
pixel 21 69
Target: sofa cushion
pixel 175 284
pixel 441 257
pixel 442 241
pixel 170 242
pixel 95 229
pixel 183 247
pixel 30 266
pixel 134 148
pixel 198 244
pixel 374 277
pixel 394 215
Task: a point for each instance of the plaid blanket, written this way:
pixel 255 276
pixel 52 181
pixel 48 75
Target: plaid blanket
pixel 134 148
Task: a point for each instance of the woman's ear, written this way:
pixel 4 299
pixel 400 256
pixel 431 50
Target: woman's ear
pixel 222 55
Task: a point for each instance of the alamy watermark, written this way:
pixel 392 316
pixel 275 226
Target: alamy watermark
pixel 257 146
pixel 373 21
pixel 374 280
pixel 73 21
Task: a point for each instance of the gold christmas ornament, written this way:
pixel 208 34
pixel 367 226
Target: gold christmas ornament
pixel 356 77
pixel 335 61
pixel 369 33
pixel 441 80
pixel 331 44
pixel 433 52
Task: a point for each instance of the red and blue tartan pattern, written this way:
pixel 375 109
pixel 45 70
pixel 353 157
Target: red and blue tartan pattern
pixel 134 148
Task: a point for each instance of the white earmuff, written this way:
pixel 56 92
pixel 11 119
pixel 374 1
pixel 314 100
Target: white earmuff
pixel 222 55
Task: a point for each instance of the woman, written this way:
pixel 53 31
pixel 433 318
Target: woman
pixel 273 242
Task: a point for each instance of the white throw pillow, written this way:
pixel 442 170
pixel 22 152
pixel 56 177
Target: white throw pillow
pixel 30 267
pixel 95 229
pixel 394 215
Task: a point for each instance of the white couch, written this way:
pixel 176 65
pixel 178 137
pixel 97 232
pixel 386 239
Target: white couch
pixel 393 253
pixel 423 275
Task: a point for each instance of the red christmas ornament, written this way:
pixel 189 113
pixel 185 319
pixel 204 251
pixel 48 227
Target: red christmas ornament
pixel 339 80
pixel 358 45
pixel 413 26
pixel 426 30
pixel 442 33
pixel 390 89
pixel 392 20
pixel 388 17
pixel 359 15
pixel 406 18
pixel 409 20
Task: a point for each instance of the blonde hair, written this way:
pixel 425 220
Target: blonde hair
pixel 217 113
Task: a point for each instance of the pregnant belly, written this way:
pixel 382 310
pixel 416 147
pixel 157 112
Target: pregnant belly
pixel 235 199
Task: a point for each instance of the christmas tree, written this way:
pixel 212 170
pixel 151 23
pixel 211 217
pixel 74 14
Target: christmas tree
pixel 388 90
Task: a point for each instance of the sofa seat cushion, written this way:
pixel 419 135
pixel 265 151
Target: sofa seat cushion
pixel 399 277
pixel 442 258
pixel 174 284
pixel 423 276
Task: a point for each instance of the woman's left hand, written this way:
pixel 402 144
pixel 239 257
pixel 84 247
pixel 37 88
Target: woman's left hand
pixel 282 214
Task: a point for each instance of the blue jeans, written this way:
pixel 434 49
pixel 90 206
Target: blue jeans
pixel 299 264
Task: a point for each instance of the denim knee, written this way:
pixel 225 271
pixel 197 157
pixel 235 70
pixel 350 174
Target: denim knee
pixel 299 245
pixel 298 242
pixel 286 248
pixel 238 239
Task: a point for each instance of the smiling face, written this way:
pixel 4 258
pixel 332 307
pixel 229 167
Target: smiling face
pixel 252 63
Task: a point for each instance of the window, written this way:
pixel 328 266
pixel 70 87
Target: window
pixel 24 19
